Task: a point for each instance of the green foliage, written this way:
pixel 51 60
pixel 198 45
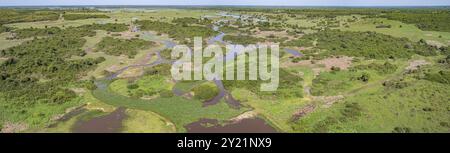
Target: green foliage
pixel 116 46
pixel 190 20
pixel 401 130
pixel 85 30
pixel 83 16
pixel 4 29
pixel 15 16
pixel 441 77
pixel 289 86
pixel 33 32
pixel 396 84
pixel 364 77
pixel 363 44
pixel 111 27
pixel 132 86
pixel 427 20
pixel 38 73
pixel 205 91
pixel 351 111
pixel 161 69
pixel 178 32
pixel 386 68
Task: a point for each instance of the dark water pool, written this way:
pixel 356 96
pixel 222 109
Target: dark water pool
pixel 111 123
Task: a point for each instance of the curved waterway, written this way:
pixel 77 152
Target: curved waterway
pixel 112 122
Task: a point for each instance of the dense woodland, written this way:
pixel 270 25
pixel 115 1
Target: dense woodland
pixel 14 16
pixel 49 31
pixel 116 46
pixel 83 16
pixel 364 44
pixel 38 71
pixel 181 32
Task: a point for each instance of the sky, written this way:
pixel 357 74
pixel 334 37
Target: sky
pixel 231 2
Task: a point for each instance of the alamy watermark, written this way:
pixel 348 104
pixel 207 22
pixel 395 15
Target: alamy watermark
pixel 228 65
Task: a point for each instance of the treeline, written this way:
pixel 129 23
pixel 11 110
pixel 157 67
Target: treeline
pixel 14 16
pixel 39 72
pixel 431 20
pixel 83 16
pixel 363 44
pixel 190 21
pixel 49 31
pixel 386 68
pixel 116 46
pixel 179 32
pixel 32 62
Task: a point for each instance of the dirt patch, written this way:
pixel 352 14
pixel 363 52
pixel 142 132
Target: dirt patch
pixel 246 115
pixel 254 125
pixel 9 127
pixel 341 62
pixel 303 111
pixel 414 65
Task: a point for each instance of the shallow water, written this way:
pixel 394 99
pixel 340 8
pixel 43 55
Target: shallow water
pixel 111 123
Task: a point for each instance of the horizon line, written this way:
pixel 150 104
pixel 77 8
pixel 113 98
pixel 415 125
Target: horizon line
pixel 238 5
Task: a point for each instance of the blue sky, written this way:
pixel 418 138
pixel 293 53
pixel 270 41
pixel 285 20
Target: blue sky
pixel 231 2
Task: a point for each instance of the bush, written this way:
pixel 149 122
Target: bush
pixel 115 46
pixel 364 77
pixel 351 110
pixel 205 91
pixel 83 16
pixel 132 86
pixel 401 130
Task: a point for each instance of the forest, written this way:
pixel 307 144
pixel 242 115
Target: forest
pixel 83 16
pixel 364 44
pixel 176 31
pixel 117 46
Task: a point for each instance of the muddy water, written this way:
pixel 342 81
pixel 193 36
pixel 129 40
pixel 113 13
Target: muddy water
pixel 111 123
pixel 254 125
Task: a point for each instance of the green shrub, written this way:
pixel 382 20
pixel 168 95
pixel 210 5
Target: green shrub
pixel 205 91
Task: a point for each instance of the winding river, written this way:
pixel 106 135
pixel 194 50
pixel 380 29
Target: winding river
pixel 103 85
